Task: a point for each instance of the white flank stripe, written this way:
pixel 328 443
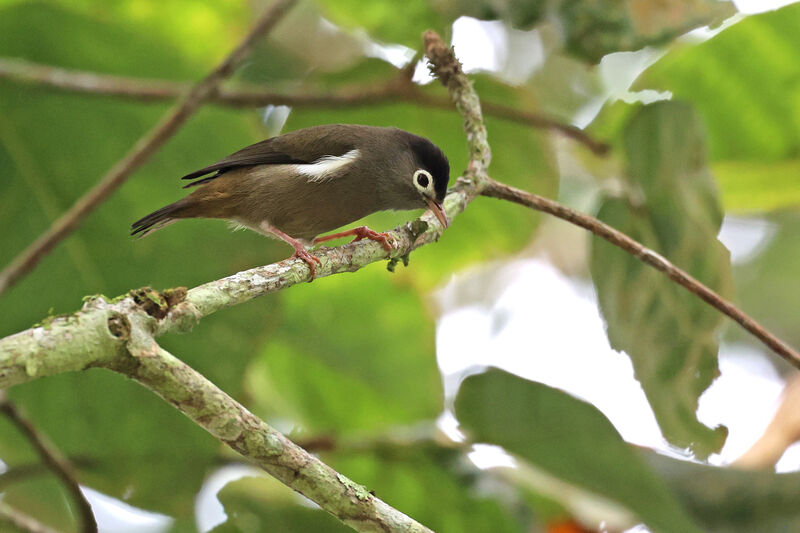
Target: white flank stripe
pixel 326 167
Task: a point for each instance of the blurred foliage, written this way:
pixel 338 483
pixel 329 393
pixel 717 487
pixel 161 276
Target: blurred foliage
pixel 728 500
pixel 353 356
pixel 767 284
pixel 672 207
pixel 591 29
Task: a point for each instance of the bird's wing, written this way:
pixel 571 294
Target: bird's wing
pixel 321 152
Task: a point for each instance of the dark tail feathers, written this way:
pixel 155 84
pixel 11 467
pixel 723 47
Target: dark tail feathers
pixel 157 219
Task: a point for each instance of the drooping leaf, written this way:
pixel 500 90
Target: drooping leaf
pixel 569 439
pixel 669 333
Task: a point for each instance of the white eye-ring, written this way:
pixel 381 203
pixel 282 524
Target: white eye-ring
pixel 423 180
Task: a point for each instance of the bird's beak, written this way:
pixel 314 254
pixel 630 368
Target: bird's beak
pixel 438 210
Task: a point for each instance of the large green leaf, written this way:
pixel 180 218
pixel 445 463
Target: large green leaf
pixel 749 103
pixel 569 439
pixel 670 335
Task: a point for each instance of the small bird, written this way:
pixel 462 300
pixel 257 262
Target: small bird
pixel 310 181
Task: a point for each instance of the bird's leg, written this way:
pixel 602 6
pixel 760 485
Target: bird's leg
pixel 300 251
pixel 361 232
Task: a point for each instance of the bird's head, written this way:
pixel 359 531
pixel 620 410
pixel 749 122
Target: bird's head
pixel 431 176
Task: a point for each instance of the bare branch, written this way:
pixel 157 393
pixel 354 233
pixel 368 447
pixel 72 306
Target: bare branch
pixel 54 460
pixel 169 124
pixel 21 521
pixel 149 90
pixel 502 191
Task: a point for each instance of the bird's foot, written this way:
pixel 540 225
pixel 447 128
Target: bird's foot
pixel 361 232
pixel 301 253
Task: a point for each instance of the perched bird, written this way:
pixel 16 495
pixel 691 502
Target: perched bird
pixel 311 181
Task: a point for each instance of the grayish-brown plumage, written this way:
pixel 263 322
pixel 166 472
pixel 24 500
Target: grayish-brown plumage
pixel 311 181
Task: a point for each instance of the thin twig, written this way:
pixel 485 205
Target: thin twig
pixel 54 460
pixel 148 90
pixel 21 521
pixel 141 151
pixel 502 191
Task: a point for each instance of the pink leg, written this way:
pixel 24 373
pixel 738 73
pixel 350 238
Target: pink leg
pixel 300 251
pixel 361 232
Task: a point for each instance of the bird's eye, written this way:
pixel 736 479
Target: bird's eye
pixel 422 179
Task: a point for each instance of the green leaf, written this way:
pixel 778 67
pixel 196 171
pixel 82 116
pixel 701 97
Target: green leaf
pixel 748 101
pixel 670 335
pixel 758 186
pixel 569 439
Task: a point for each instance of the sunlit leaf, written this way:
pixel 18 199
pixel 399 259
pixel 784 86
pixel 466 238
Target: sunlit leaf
pixel 569 439
pixel 749 103
pixel 669 333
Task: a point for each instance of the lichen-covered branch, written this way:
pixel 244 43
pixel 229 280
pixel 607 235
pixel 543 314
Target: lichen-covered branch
pixel 231 423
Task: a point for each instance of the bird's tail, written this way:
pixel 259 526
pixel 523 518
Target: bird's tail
pixel 159 219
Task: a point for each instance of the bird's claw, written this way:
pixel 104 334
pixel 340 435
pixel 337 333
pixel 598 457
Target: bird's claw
pixel 309 259
pixel 364 232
